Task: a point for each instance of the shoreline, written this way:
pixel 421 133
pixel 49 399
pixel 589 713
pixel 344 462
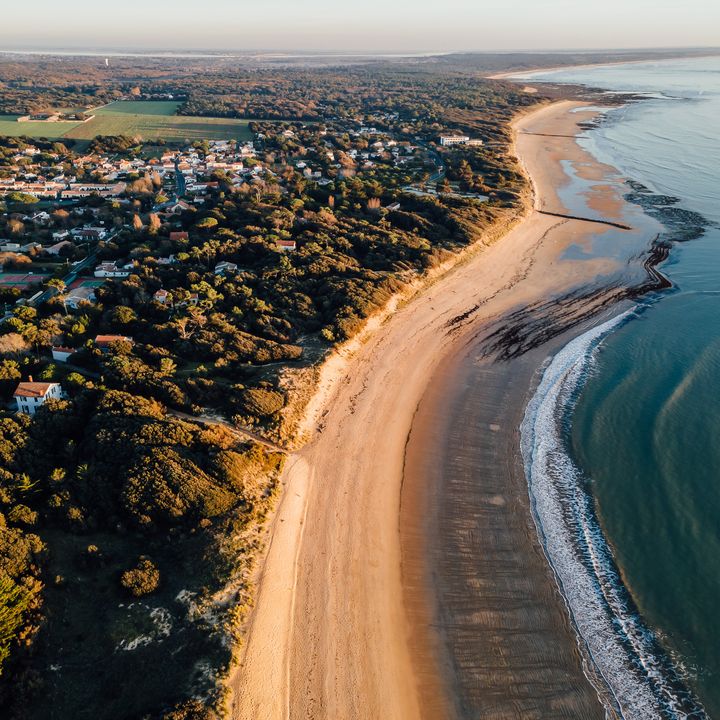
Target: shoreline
pixel 444 457
pixel 510 74
pixel 330 635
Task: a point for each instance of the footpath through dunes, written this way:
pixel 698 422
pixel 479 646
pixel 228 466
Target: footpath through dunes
pixel 346 615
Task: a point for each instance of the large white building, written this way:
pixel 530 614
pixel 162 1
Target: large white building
pixel 453 139
pixel 109 269
pixel 459 140
pixel 29 396
pixel 83 190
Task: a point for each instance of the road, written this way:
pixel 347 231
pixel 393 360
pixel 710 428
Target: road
pixel 180 184
pixel 435 178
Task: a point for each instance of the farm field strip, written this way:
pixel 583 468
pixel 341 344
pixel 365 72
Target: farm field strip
pixel 10 127
pixel 149 119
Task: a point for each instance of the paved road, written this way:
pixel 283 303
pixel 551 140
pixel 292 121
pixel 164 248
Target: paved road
pixel 180 184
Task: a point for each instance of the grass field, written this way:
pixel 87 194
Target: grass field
pixel 139 107
pixel 11 127
pixel 152 120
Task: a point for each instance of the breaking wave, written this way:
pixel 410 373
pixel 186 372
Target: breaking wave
pixel 634 677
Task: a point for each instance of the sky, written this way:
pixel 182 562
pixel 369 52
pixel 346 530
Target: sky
pixel 393 26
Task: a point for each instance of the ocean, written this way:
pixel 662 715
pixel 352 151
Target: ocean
pixel 621 440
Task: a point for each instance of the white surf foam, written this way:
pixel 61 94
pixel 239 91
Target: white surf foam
pixel 640 680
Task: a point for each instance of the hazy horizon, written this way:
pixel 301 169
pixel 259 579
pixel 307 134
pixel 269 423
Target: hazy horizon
pixel 373 27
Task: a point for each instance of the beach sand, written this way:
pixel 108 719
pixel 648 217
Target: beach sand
pixel 404 578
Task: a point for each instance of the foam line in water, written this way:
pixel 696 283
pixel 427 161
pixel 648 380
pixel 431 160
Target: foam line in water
pixel 639 680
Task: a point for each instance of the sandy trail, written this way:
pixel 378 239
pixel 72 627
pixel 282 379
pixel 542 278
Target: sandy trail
pixel 330 636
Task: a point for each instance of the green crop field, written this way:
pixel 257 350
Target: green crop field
pixel 152 120
pixel 52 130
pixel 139 107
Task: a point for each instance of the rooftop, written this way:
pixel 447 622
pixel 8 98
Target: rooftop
pixel 33 389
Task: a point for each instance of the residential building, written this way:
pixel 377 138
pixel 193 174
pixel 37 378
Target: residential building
pixel 62 354
pixel 109 269
pixel 83 190
pixel 57 247
pixel 79 295
pixel 178 207
pixel 105 342
pixel 224 267
pixel 91 233
pixel 29 396
pixel 447 140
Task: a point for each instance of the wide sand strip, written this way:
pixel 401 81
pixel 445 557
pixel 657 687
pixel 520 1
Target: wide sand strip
pixel 344 624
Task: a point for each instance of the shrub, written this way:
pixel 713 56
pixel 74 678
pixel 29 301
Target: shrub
pixel 142 579
pixel 23 515
pixel 260 402
pixel 14 603
pixel 189 710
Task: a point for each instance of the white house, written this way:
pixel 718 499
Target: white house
pixel 41 217
pixel 80 295
pixel 82 190
pixel 178 207
pixel 57 247
pixel 225 267
pixel 110 269
pixel 29 396
pixel 105 342
pixel 61 354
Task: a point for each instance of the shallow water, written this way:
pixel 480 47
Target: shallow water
pixel 644 433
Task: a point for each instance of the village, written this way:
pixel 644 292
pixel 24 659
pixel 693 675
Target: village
pixel 75 222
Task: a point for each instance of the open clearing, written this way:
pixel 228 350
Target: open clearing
pixel 156 120
pixel 152 120
pixel 9 126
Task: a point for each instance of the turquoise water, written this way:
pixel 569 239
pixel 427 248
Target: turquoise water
pixel 644 432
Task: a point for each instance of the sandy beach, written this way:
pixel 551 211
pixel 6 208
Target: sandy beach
pixel 403 577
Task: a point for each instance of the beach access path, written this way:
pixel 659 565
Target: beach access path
pixel 333 633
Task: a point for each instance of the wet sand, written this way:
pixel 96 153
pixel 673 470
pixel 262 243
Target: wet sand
pixel 499 631
pixel 403 577
pixel 498 641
